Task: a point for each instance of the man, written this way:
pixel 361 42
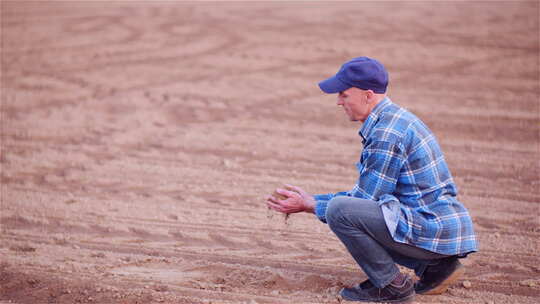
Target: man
pixel 403 208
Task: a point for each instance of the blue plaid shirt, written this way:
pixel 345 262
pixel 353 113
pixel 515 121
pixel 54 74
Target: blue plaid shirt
pixel 402 167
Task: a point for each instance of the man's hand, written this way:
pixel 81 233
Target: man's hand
pixel 297 200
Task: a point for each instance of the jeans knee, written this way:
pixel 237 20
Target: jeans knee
pixel 335 211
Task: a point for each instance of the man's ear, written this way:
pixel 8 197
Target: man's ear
pixel 370 96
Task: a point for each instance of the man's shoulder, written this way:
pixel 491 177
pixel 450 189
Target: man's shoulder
pixel 399 125
pixel 394 120
pixel 395 111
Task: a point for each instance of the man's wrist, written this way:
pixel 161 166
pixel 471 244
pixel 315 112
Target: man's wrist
pixel 309 205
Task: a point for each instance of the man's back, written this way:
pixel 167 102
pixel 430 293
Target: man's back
pixel 417 176
pixel 424 176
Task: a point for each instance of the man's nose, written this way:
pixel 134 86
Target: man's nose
pixel 339 101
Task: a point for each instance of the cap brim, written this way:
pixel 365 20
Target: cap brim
pixel 333 85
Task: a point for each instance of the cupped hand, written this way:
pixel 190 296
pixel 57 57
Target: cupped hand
pixel 297 200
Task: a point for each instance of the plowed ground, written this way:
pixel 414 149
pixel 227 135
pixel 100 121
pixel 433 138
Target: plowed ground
pixel 140 139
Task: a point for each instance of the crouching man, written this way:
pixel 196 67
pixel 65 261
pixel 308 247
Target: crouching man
pixel 403 209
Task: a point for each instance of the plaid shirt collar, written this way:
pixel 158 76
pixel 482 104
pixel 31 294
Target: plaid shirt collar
pixel 372 118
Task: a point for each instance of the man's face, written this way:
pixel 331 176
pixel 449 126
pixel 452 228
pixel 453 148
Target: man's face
pixel 356 103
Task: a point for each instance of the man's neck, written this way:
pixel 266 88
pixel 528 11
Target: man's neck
pixel 377 98
pixel 380 97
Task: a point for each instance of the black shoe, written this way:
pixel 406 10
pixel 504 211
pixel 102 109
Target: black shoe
pixel 400 290
pixel 437 278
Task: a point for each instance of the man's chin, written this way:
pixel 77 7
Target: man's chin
pixel 351 118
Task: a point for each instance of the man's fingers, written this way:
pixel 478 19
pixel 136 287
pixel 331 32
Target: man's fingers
pixel 287 193
pixel 291 187
pixel 295 189
pixel 272 199
pixel 275 206
pixel 273 202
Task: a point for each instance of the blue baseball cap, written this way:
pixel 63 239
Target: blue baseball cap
pixel 361 72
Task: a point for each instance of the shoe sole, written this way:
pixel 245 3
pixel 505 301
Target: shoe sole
pixel 407 299
pixel 441 288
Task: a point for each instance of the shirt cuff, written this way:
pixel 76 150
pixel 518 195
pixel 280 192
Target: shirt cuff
pixel 323 197
pixel 320 210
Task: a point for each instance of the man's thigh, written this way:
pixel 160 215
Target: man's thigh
pixel 367 216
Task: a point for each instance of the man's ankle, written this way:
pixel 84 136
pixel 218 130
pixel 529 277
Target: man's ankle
pixel 399 280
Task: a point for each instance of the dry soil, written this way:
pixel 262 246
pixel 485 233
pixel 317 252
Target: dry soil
pixel 140 139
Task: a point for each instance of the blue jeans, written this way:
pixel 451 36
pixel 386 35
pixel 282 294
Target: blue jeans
pixel 360 226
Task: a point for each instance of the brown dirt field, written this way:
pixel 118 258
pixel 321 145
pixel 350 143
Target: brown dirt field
pixel 139 140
